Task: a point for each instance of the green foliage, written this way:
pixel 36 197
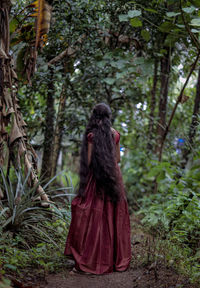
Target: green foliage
pixel 116 45
pixel 16 255
pixel 173 212
pixel 5 283
pixel 22 213
pixel 32 236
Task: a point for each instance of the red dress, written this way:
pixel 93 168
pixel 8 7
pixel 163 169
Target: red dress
pixel 99 233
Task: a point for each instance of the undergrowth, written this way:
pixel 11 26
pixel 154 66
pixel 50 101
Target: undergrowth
pixel 172 215
pixel 32 236
pixel 43 256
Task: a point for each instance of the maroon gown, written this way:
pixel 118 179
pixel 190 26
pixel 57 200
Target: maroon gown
pixel 99 233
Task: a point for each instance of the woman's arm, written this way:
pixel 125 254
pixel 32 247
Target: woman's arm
pixel 118 152
pixel 117 145
pixel 89 153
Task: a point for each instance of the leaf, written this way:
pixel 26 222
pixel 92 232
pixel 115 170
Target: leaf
pixel 6 188
pixel 10 266
pixel 101 64
pixel 13 25
pixel 120 75
pixel 139 60
pixel 145 34
pixel 195 22
pixel 15 131
pixel 43 14
pixel 120 64
pixel 134 13
pixel 180 26
pixel 194 31
pixel 45 234
pixel 189 10
pixel 163 51
pixel 109 81
pixel 135 22
pixel 172 14
pixel 123 17
pixel 52 179
pixel 166 27
pixel 4 211
pixel 171 39
pixel 151 10
pixel 20 63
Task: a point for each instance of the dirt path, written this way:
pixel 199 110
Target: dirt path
pixel 146 270
pixel 139 278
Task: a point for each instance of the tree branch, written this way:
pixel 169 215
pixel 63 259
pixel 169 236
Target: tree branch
pixel 70 51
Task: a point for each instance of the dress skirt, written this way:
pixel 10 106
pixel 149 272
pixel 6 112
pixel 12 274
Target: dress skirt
pixel 99 233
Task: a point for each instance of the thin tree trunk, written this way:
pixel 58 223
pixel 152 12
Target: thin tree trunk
pixel 58 130
pixel 165 71
pixel 194 123
pixel 152 106
pixel 49 130
pixel 179 99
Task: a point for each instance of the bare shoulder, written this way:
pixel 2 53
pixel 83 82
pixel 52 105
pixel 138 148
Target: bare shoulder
pixel 113 130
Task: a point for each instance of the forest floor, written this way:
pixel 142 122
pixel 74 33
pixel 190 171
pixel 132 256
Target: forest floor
pixel 149 269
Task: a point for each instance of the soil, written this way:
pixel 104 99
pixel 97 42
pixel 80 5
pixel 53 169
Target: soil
pixel 138 278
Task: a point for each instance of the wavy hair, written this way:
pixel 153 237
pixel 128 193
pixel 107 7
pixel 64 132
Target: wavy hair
pixel 103 158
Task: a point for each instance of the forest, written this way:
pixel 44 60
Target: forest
pixel 58 58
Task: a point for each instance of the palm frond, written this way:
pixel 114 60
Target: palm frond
pixel 52 179
pixel 6 209
pixel 42 12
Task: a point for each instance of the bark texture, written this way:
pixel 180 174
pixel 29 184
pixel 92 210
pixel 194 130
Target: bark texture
pixel 58 130
pixel 49 130
pixel 152 106
pixel 164 81
pixel 13 140
pixel 180 99
pixel 194 123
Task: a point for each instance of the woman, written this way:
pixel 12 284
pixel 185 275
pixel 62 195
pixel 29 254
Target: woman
pixel 99 234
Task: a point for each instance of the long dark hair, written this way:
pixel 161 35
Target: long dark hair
pixel 103 158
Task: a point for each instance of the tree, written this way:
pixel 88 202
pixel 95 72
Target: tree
pixel 13 140
pixel 194 123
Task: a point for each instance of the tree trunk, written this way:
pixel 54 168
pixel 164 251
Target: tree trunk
pixel 21 153
pixel 152 106
pixel 58 130
pixel 178 100
pixel 194 123
pixel 165 71
pixel 49 130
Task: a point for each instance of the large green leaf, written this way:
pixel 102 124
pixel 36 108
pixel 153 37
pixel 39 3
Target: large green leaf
pixel 109 81
pixel 123 17
pixel 13 25
pixel 135 22
pixel 145 34
pixel 189 10
pixel 195 22
pixel 172 14
pixel 166 27
pixel 134 13
pixel 120 64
